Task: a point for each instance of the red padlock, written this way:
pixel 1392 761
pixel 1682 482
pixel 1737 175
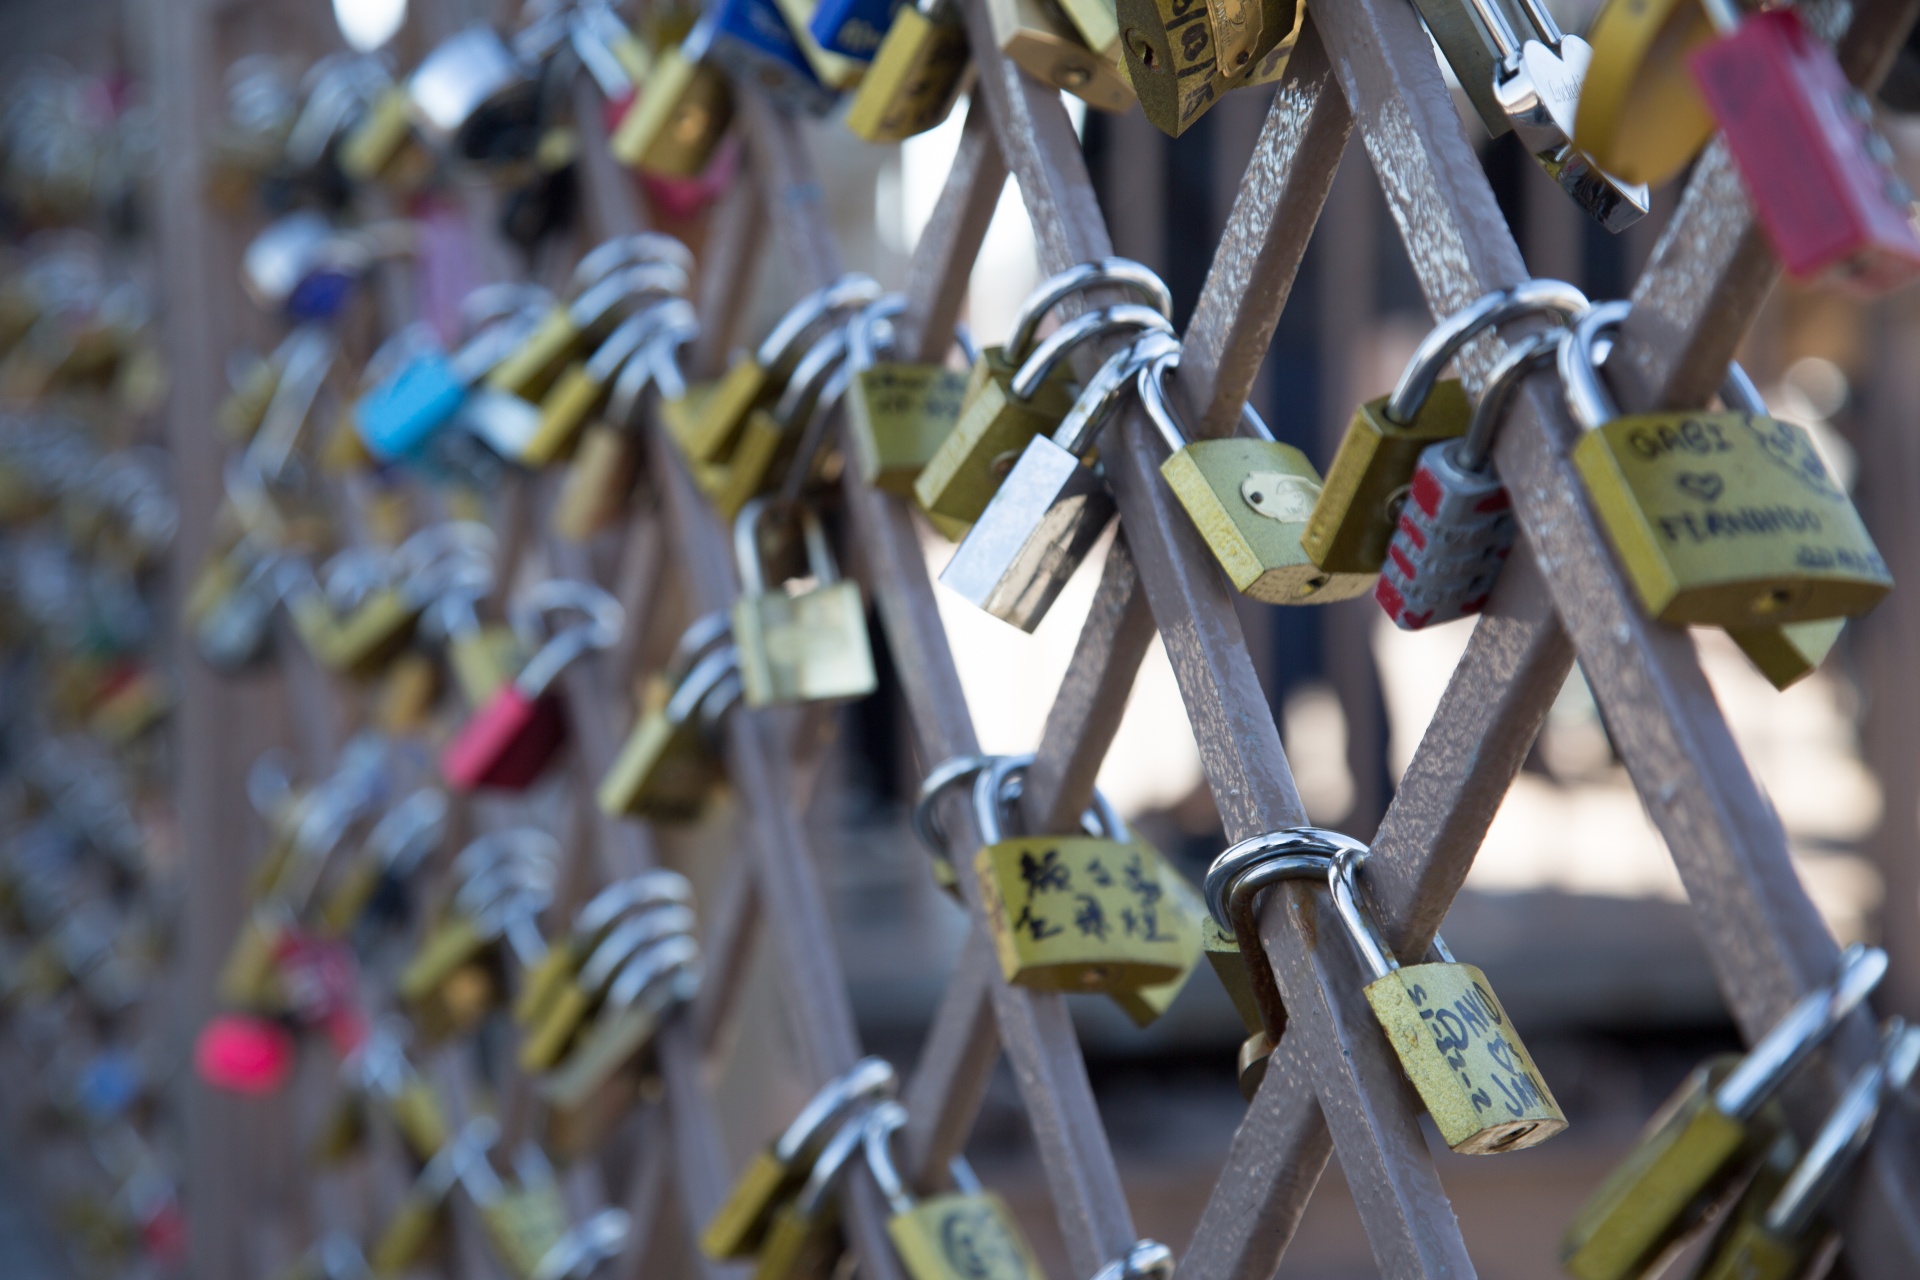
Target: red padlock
pixel 508 742
pixel 1819 174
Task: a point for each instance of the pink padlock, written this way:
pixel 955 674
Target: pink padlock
pixel 508 743
pixel 244 1054
pixel 1819 174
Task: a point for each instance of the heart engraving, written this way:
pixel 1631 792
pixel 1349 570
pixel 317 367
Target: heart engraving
pixel 1704 485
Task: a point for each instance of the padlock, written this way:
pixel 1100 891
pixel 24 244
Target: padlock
pixel 803 1239
pixel 1232 888
pixel 233 630
pixel 852 28
pixel 1072 913
pixel 545 985
pixel 381 146
pixel 1704 1137
pixel 394 849
pixel 583 1249
pixel 1187 919
pixel 677 124
pixel 1729 519
pixel 300 267
pixel 782 440
pixel 1453 1039
pixel 1777 1237
pixel 1641 114
pixel 472 98
pixel 1249 498
pixel 1821 177
pixel 916 75
pixel 1788 654
pixel 1359 504
pixel 753 42
pixel 1456 527
pixel 509 742
pixel 665 974
pixel 601 475
pixel 668 765
pixel 995 422
pixel 584 388
pixel 897 414
pixel 803 646
pixel 398 418
pixel 567 1009
pixel 453 977
pixel 965 1234
pixel 1177 70
pixel 410 1231
pixel 1039 38
pixel 617 60
pixel 604 295
pixel 740 1224
pixel 1053 506
pixel 837 71
pixel 483 656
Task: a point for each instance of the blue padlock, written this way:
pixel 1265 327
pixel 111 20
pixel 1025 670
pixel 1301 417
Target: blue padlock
pixel 852 28
pixel 750 39
pixel 399 416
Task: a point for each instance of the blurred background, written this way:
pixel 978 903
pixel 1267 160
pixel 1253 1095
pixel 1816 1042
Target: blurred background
pixel 1573 908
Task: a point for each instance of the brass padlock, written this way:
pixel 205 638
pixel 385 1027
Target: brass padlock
pixel 568 1008
pixel 809 645
pixel 780 440
pixel 1054 505
pixel 897 414
pixel 1233 885
pixel 395 847
pixel 1072 913
pixel 607 280
pixel 1788 654
pixel 995 421
pixel 1178 68
pixel 664 974
pixel 1776 1230
pixel 739 1226
pixel 916 76
pixel 618 902
pixel 1359 503
pixel 1729 519
pixel 803 1240
pixel 966 1234
pixel 668 765
pixel 677 124
pixel 1703 1138
pixel 1250 500
pixel 1039 38
pixel 583 390
pixel 1453 1039
pixel 506 880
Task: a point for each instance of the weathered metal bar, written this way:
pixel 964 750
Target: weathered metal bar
pixel 942 263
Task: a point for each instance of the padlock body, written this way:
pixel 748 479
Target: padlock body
pixel 963 1237
pixel 1018 556
pixel 897 416
pixel 361 643
pixel 677 124
pixel 1076 913
pixel 530 371
pixel 1460 1050
pixel 992 429
pixel 1172 61
pixel 723 410
pixel 1689 1153
pixel 602 1049
pixel 1218 482
pixel 483 662
pixel 740 1224
pixel 1223 955
pixel 1751 1252
pixel 566 409
pixel 396 419
pixel 811 647
pixel 1039 39
pixel 914 80
pixel 1784 105
pixel 506 744
pixel 452 944
pixel 1785 655
pixel 734 483
pixel 419 1118
pixel 753 41
pixel 663 773
pixel 1640 115
pixel 549 1033
pixel 377 137
pixel 852 28
pixel 1187 915
pixel 597 484
pixel 1728 519
pixel 1455 532
pixel 1359 502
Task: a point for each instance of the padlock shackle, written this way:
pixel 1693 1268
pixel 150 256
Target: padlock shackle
pixel 989 787
pixel 1474 450
pixel 701 635
pixel 708 674
pixel 719 700
pixel 574 1255
pixel 1588 399
pixel 1813 1018
pixel 1843 1138
pixel 593 48
pixel 673 959
pixel 673 323
pixel 862 349
pixel 1246 870
pixel 810 376
pixel 528 846
pixel 628 284
pixel 1146 1260
pixel 876 1140
pixel 479 355
pixel 649 888
pixel 1544 25
pixel 1101 396
pixel 1506 41
pixel 746 545
pixel 408 830
pixel 629 938
pixel 641 246
pixel 814 433
pixel 1110 272
pixel 852 290
pixel 1437 349
pixel 1738 393
pixel 1082 328
pixel 627 337
pixel 309 355
pixel 489 304
pixel 832 1162
pixel 1344 881
pixel 866 1080
pixel 600 629
pixel 949 773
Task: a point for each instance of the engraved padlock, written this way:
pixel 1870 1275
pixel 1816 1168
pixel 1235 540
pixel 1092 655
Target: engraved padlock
pixel 897 414
pixel 1359 504
pixel 916 75
pixel 965 1234
pixel 1178 67
pixel 1728 519
pixel 1250 499
pixel 1453 1039
pixel 1706 1135
pixel 1456 526
pixel 1053 505
pixel 996 420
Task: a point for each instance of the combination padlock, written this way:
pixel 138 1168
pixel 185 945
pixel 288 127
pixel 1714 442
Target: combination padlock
pixel 1453 1039
pixel 996 419
pixel 809 645
pixel 1250 499
pixel 739 1226
pixel 1053 505
pixel 1073 913
pixel 509 741
pixel 916 75
pixel 965 1234
pixel 1359 505
pixel 1705 1136
pixel 669 766
pixel 1726 519
pixel 1456 527
pixel 897 414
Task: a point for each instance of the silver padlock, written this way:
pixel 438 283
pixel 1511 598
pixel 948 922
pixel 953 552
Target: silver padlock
pixel 1053 506
pixel 473 98
pixel 1456 526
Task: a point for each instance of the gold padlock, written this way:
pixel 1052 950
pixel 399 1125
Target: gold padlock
pixel 1178 69
pixel 682 114
pixel 665 973
pixel 1040 38
pixel 803 1240
pixel 916 76
pixel 782 440
pixel 897 414
pixel 583 390
pixel 968 1234
pixel 1359 504
pixel 552 1028
pixel 996 421
pixel 668 766
pixel 607 281
pixel 614 904
pixel 808 646
pixel 1729 519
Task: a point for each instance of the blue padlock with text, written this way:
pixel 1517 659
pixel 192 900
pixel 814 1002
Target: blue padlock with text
pixel 853 28
pixel 750 39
